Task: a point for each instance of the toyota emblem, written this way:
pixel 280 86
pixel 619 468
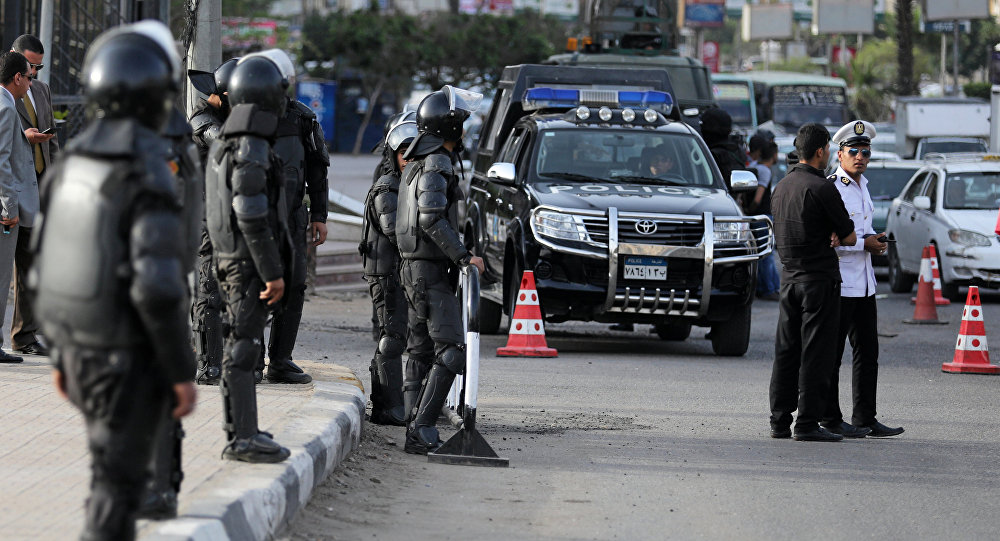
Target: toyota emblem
pixel 645 227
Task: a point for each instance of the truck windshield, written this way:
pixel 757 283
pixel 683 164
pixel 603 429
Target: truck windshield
pixel 979 190
pixel 949 147
pixel 624 156
pixel 735 98
pixel 795 105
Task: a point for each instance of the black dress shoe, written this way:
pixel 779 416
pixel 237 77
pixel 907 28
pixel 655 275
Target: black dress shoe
pixel 8 358
pixel 286 372
pixel 848 430
pixel 781 433
pixel 879 430
pixel 34 349
pixel 818 434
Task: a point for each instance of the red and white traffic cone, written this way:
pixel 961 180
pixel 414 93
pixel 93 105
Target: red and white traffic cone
pixel 925 312
pixel 527 331
pixel 972 356
pixel 931 252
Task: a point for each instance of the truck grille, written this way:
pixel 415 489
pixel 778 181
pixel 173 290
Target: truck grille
pixel 668 233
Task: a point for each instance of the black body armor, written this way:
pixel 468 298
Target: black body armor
pixel 206 123
pixel 427 215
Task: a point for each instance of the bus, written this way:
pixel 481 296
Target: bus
pixel 786 100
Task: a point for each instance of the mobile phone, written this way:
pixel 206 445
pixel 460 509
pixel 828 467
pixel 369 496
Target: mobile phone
pixel 48 131
pixel 883 238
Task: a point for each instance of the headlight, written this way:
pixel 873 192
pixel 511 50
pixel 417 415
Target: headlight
pixel 968 238
pixel 560 226
pixel 604 114
pixel 731 232
pixel 649 115
pixel 582 112
pixel 628 115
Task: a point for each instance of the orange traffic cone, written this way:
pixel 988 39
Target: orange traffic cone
pixel 527 332
pixel 925 312
pixel 930 252
pixel 972 356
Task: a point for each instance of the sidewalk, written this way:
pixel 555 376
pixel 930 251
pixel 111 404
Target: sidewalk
pixel 44 462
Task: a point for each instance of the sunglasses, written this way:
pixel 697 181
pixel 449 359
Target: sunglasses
pixel 38 67
pixel 865 153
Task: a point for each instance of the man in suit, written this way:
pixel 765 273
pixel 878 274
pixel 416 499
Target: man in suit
pixel 35 110
pixel 18 184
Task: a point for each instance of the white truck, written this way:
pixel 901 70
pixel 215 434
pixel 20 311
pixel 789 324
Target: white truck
pixel 941 125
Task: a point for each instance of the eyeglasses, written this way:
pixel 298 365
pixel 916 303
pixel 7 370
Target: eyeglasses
pixel 38 67
pixel 865 153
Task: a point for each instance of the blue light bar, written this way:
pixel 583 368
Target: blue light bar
pixel 550 98
pixel 650 99
pixel 568 98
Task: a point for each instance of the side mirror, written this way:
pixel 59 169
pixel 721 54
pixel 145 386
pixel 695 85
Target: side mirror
pixel 502 172
pixel 922 202
pixel 742 181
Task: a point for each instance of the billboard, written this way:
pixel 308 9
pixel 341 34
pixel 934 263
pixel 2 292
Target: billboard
pixel 321 97
pixel 944 10
pixel 767 21
pixel 704 13
pixel 238 33
pixel 843 17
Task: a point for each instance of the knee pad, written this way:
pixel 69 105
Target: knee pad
pixel 453 359
pixel 245 353
pixel 391 346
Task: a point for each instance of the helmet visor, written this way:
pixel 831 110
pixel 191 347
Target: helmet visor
pixel 403 133
pixel 460 99
pixel 280 59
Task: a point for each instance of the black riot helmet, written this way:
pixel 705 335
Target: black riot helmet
pixel 222 75
pixel 402 134
pixel 443 113
pixel 132 71
pixel 259 81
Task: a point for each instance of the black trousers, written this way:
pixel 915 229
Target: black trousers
pixel 23 325
pixel 804 349
pixel 207 308
pixel 285 324
pixel 435 313
pixel 859 323
pixel 124 401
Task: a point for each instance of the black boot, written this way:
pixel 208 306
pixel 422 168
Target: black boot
pixel 416 370
pixel 246 442
pixel 258 449
pixel 387 391
pixel 286 371
pixel 421 434
pixel 208 374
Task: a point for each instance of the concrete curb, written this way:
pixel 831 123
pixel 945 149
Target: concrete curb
pixel 256 501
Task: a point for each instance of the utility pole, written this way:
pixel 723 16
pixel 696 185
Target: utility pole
pixel 45 35
pixel 205 50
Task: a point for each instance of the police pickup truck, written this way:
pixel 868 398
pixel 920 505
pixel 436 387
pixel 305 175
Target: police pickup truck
pixel 587 177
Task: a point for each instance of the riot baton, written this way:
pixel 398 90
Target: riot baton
pixel 468 447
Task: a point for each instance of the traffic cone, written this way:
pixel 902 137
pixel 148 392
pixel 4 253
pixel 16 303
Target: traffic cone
pixel 931 252
pixel 527 332
pixel 925 312
pixel 972 356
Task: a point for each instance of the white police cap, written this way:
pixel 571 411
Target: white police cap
pixel 854 133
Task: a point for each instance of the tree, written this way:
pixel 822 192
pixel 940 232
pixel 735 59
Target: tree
pixel 906 85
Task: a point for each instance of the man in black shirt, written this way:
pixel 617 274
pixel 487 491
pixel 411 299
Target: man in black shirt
pixel 809 221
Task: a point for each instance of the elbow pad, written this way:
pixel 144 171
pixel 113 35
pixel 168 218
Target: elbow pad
pixel 250 207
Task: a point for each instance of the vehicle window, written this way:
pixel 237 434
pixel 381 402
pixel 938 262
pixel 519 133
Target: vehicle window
pixel 914 189
pixel 949 147
pixel 630 155
pixel 734 98
pixel 931 190
pixel 795 105
pixel 978 190
pixel 500 104
pixel 510 147
pixel 886 183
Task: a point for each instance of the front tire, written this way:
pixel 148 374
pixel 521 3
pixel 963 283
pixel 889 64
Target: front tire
pixel 490 316
pixel 949 290
pixel 899 280
pixel 731 338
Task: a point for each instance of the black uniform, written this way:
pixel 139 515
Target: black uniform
pixel 807 209
pixel 431 251
pixel 380 257
pixel 206 311
pixel 301 150
pixel 249 232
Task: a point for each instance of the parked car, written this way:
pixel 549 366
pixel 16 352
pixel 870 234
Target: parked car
pixel 951 204
pixel 886 180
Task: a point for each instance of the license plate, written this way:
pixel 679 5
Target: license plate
pixel 645 268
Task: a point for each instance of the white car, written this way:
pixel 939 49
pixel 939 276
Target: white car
pixel 951 204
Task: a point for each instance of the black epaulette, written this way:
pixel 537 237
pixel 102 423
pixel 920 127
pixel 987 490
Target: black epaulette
pixel 832 177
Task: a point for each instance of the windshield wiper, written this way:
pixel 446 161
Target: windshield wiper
pixel 882 197
pixel 650 180
pixel 574 176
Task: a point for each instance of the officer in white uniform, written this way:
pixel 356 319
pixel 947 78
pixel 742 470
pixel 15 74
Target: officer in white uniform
pixel 858 315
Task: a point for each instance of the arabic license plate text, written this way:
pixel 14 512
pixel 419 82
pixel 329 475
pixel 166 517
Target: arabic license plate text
pixel 645 268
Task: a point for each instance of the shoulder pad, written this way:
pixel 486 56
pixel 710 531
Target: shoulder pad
pixel 432 181
pixel 388 182
pixel 247 118
pixel 439 163
pixel 301 109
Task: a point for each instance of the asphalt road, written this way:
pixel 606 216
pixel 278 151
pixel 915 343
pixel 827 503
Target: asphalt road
pixel 624 436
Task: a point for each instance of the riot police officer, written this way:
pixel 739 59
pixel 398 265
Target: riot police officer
pixel 301 149
pixel 110 274
pixel 431 250
pixel 380 257
pixel 165 473
pixel 248 227
pixel 206 311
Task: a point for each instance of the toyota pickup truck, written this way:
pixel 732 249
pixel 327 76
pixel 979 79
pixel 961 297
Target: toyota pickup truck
pixel 564 184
